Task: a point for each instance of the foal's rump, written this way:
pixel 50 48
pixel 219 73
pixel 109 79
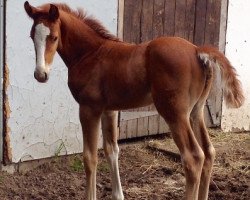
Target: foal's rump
pixel 182 72
pixel 176 74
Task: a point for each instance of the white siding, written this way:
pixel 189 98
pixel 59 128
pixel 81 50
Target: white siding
pixel 238 51
pixel 44 117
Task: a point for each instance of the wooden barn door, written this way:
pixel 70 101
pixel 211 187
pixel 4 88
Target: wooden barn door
pixel 199 21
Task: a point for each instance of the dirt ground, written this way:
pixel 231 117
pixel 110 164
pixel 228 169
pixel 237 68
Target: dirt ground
pixel 150 169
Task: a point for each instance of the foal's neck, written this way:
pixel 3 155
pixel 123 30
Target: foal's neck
pixel 77 40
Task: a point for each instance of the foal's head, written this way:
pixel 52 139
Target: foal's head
pixel 45 34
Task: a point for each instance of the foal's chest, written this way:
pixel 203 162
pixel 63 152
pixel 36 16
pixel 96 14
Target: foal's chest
pixel 84 84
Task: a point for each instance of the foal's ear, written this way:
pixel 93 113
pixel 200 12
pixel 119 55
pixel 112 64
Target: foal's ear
pixel 30 10
pixel 53 12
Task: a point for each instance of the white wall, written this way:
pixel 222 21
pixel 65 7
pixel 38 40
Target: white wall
pixel 238 52
pixel 44 117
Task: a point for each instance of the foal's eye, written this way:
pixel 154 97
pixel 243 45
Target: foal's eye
pixel 53 38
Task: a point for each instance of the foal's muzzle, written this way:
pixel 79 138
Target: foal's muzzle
pixel 41 77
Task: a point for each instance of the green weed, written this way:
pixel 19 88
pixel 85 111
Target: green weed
pixel 59 149
pixel 77 165
pixel 103 167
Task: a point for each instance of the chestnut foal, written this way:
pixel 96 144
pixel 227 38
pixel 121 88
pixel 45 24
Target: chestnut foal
pixel 105 74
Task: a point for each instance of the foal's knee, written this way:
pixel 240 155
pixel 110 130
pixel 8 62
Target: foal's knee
pixel 90 161
pixel 209 157
pixel 110 147
pixel 111 151
pixel 193 163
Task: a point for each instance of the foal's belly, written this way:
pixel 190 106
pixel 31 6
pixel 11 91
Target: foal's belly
pixel 129 99
pixel 130 104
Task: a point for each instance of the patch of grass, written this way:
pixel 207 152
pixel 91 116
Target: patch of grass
pixel 77 165
pixel 103 167
pixel 1 178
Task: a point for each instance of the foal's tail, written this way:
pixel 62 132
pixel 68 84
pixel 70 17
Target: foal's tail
pixel 232 90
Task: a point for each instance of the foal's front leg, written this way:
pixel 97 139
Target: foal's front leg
pixel 109 130
pixel 90 121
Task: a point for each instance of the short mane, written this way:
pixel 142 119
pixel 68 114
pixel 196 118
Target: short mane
pixel 90 21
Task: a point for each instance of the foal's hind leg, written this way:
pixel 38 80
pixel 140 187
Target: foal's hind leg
pixel 176 113
pixel 111 149
pixel 90 120
pixel 199 128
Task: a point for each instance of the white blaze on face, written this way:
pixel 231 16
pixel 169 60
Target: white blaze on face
pixel 41 33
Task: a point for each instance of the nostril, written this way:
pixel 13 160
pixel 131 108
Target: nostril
pixel 35 75
pixel 41 76
pixel 46 76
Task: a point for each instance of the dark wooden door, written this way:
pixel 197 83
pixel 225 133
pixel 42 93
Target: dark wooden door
pixel 200 22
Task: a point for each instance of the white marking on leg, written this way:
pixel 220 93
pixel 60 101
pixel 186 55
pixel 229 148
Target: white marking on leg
pixel 41 33
pixel 92 189
pixel 117 193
